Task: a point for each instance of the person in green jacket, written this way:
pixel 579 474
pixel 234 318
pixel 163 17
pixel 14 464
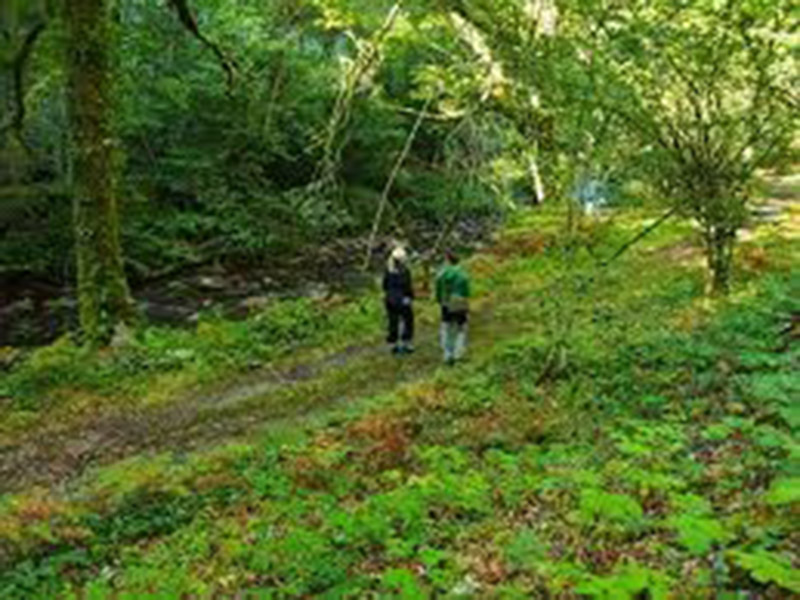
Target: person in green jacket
pixel 452 294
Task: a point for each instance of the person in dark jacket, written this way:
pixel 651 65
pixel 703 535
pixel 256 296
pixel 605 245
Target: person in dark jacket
pixel 399 294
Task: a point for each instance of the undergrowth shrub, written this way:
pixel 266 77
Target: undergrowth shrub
pixel 216 346
pixel 658 463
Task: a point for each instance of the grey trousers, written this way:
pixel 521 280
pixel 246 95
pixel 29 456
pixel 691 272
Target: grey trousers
pixel 453 334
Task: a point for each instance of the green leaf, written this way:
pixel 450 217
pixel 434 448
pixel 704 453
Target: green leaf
pixel 717 432
pixel 768 567
pixel 769 437
pixel 691 504
pixel 404 582
pixel 697 533
pixel 784 491
pixel 597 505
pixel 525 550
pixel 626 583
pixel 791 415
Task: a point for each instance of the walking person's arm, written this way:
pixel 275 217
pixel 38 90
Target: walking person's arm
pixel 439 288
pixel 409 286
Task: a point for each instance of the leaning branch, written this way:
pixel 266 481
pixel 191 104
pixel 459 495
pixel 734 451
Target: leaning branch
pixel 367 57
pixel 640 236
pixel 18 65
pixel 392 177
pixel 189 21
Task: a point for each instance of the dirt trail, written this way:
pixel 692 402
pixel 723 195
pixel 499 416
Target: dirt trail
pixel 780 209
pixel 182 424
pixel 264 400
pixel 270 398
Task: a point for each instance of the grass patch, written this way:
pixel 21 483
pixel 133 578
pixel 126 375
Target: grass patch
pixel 612 436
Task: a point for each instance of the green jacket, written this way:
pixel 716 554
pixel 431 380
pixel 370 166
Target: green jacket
pixel 453 288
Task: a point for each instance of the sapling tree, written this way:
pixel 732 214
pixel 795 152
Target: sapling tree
pixel 515 42
pixel 707 90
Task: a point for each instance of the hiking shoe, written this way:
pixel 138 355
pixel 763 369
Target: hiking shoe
pixel 397 350
pixel 409 349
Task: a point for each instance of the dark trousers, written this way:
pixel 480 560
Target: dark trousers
pixel 459 317
pixel 398 314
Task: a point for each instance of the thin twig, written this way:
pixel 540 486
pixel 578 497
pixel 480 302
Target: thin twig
pixel 640 236
pixel 390 182
pixel 189 21
pixel 365 60
pixel 18 65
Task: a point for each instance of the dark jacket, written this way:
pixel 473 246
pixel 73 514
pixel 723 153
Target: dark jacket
pixel 397 286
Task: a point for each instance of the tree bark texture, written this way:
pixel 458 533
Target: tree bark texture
pixel 103 296
pixel 720 243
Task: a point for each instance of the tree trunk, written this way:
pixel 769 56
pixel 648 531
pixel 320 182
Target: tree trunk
pixel 103 296
pixel 536 180
pixel 719 248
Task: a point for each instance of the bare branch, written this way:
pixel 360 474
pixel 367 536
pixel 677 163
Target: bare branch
pixel 18 65
pixel 190 23
pixel 640 236
pixel 368 57
pixel 392 177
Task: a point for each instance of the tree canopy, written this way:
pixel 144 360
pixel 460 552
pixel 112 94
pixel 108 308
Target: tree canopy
pixel 252 128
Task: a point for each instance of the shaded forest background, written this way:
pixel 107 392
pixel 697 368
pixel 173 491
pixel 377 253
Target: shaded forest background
pixel 625 422
pixel 250 133
pixel 209 170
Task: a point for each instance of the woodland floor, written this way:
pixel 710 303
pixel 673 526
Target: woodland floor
pixel 274 397
pixel 283 393
pixel 129 420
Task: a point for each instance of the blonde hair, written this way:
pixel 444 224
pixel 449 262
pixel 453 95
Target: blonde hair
pixel 397 258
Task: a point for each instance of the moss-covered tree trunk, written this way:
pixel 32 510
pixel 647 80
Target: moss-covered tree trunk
pixel 720 242
pixel 103 295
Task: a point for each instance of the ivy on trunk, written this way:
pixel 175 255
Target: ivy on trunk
pixel 103 295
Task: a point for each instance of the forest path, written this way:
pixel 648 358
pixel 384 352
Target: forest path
pixel 278 396
pixel 268 399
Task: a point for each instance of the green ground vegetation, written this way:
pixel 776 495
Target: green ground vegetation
pixel 614 434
